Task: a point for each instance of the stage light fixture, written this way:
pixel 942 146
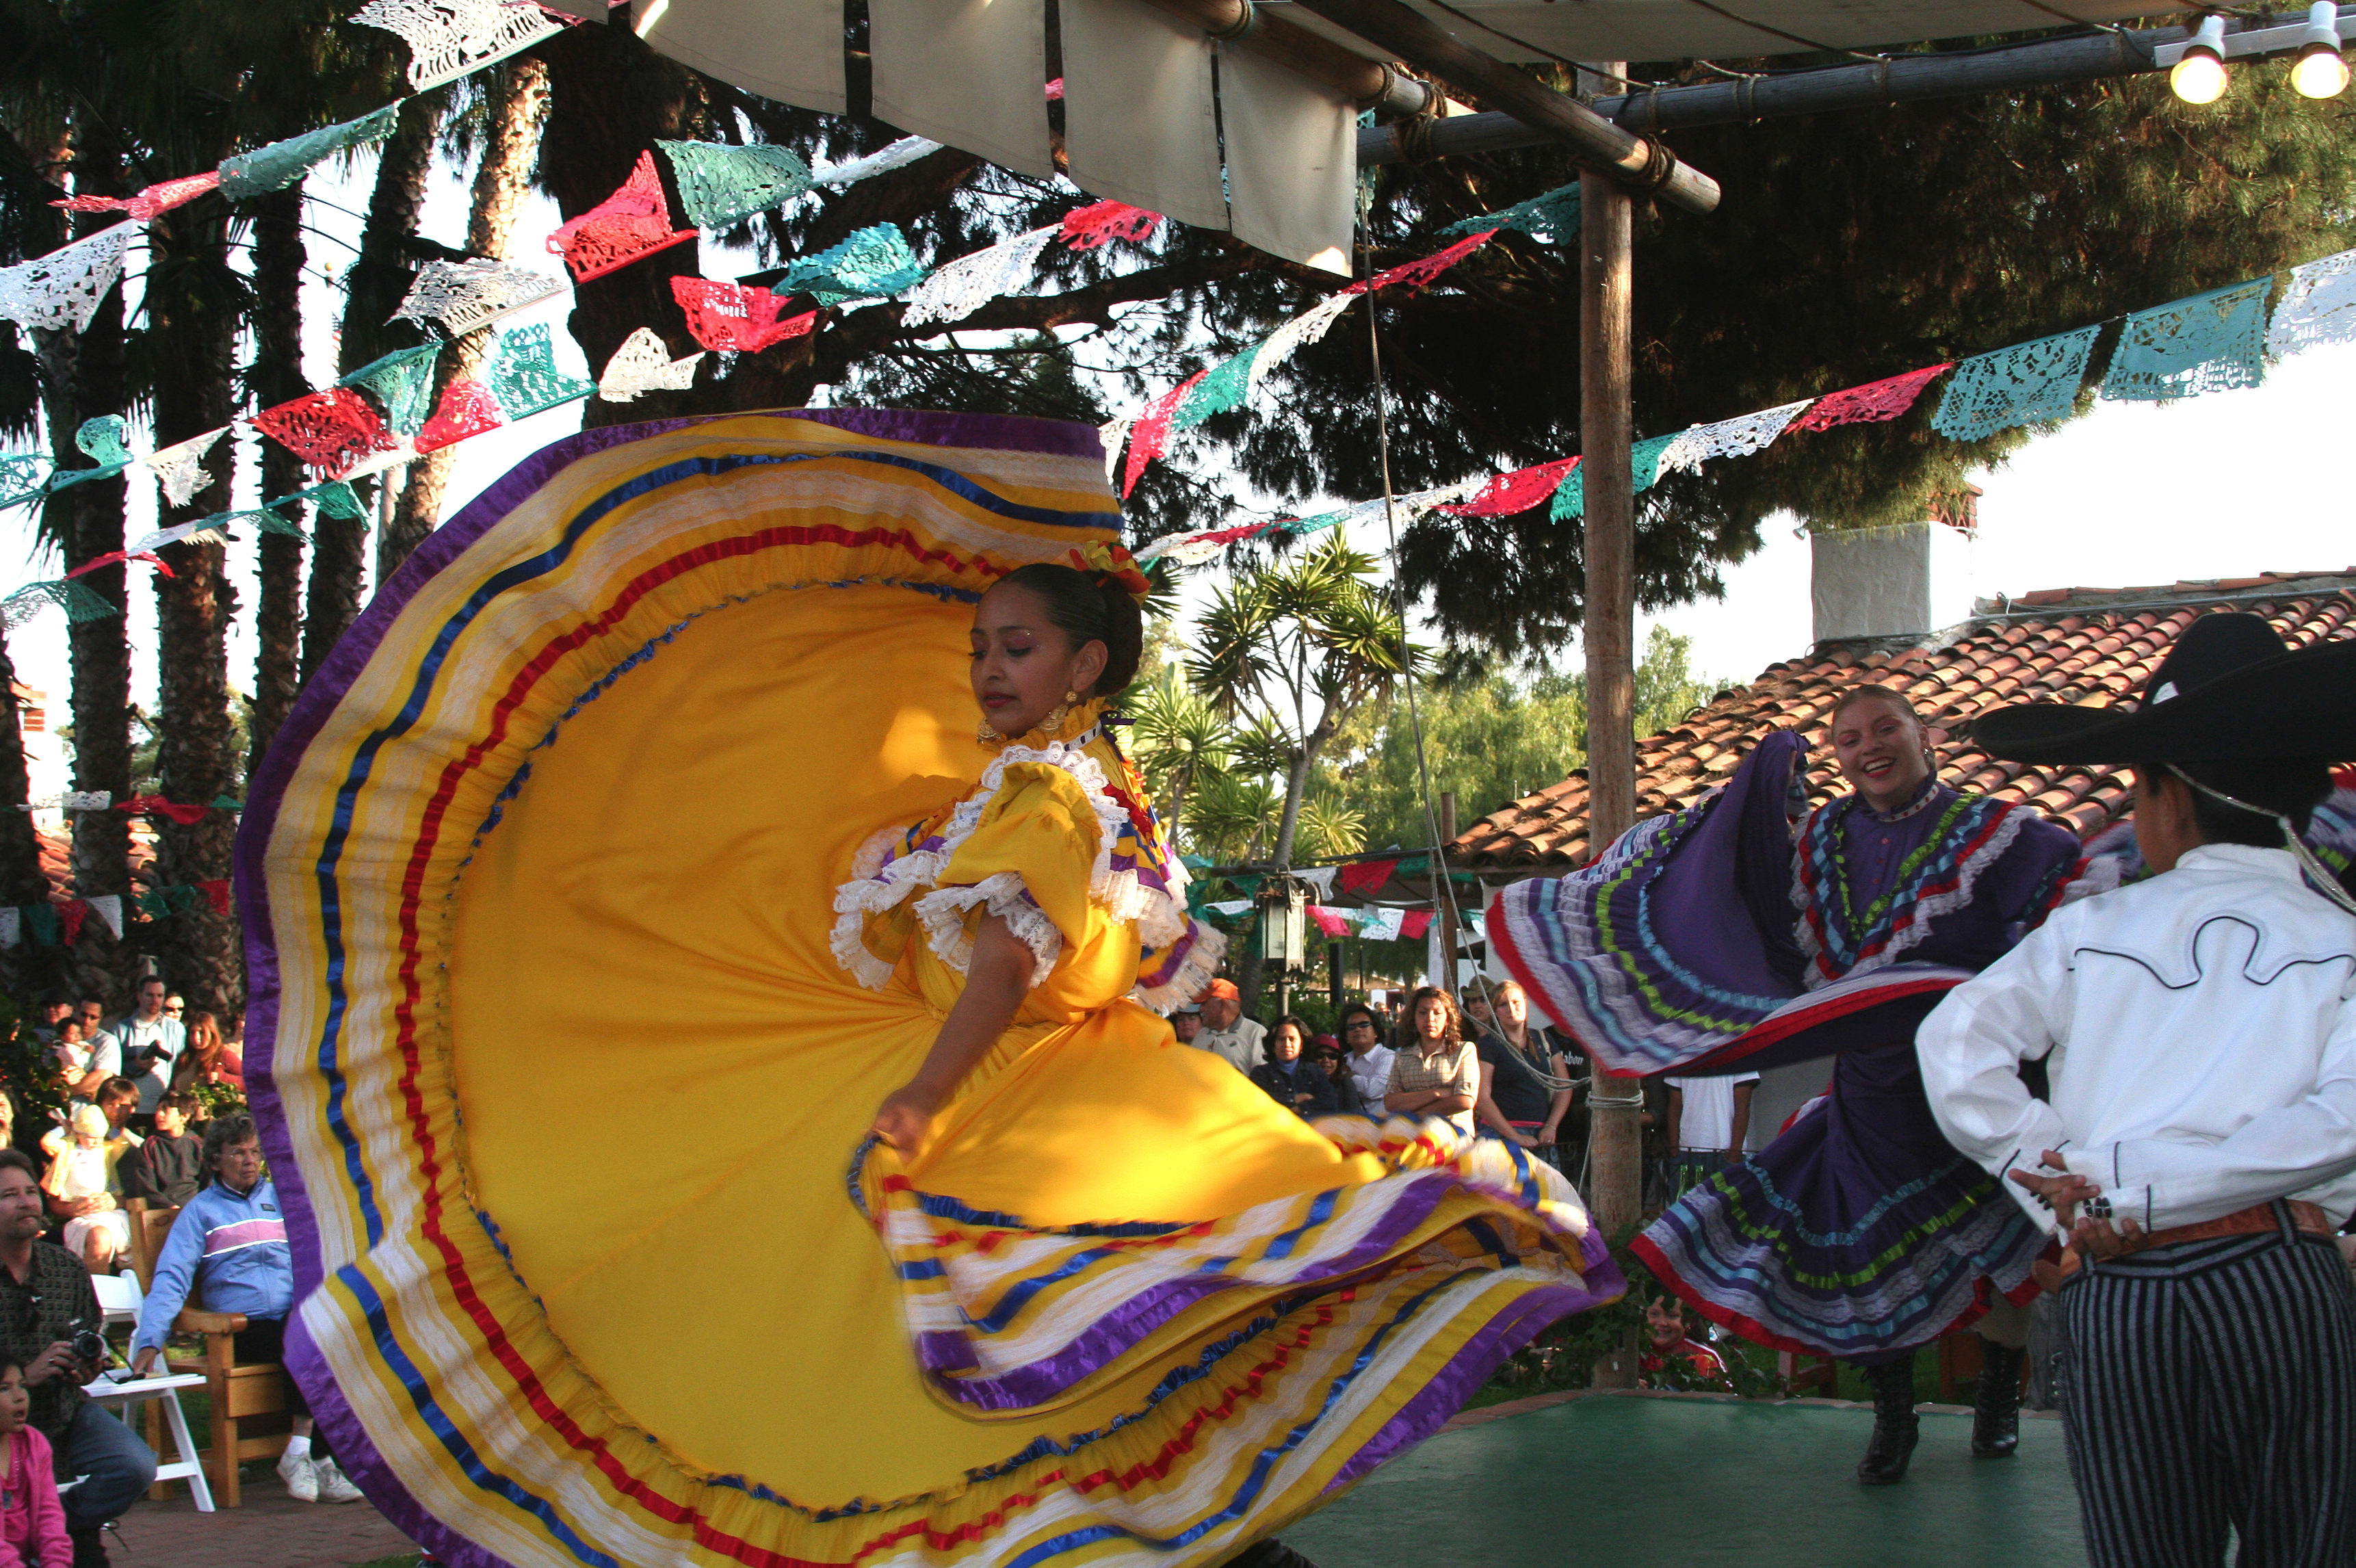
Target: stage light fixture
pixel 2320 72
pixel 2200 76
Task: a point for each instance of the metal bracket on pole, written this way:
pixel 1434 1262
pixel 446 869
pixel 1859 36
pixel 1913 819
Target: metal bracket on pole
pixel 1641 163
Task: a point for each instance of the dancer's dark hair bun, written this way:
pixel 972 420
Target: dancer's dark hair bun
pixel 1089 607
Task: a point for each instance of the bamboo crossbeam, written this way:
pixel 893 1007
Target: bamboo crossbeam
pixel 1902 78
pixel 1596 144
pixel 1366 84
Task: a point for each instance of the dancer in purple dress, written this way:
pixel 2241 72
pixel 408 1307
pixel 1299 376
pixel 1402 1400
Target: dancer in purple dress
pixel 1713 941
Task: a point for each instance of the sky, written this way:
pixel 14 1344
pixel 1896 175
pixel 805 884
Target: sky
pixel 2230 484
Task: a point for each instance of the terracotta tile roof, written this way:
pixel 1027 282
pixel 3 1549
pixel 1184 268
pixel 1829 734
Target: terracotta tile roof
pixel 2093 646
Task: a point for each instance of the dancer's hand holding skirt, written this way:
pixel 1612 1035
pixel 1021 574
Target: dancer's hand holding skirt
pixel 621 861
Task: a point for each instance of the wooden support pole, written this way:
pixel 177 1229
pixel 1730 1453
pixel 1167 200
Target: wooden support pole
pixel 1444 891
pixel 1608 631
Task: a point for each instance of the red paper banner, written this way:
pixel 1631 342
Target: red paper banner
pixel 1414 925
pixel 1365 876
pixel 1151 439
pixel 1517 492
pixel 1415 274
pixel 1875 399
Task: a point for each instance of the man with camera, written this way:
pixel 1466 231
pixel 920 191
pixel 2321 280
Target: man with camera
pixel 48 1321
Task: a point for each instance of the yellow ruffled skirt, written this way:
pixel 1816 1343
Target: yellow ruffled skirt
pixel 565 1091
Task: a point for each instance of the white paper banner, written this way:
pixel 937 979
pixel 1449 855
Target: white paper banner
pixel 108 907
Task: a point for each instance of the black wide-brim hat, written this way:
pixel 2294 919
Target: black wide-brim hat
pixel 2229 691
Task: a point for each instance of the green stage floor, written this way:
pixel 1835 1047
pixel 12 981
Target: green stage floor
pixel 1667 1483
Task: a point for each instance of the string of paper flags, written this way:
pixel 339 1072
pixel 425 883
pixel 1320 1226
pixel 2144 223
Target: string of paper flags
pixel 2213 341
pixel 59 923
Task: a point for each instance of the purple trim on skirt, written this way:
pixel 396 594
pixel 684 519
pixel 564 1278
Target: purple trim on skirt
pixel 357 1458
pixel 1112 1336
pixel 1466 1370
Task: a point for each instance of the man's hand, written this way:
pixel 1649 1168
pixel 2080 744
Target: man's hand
pixel 1734 1156
pixel 55 1361
pixel 2095 1238
pixel 2063 1192
pixel 144 1363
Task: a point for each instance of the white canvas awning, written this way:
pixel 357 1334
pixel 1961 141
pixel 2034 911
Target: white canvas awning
pixel 1218 134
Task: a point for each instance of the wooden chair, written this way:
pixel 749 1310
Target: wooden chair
pixel 249 1414
pixel 148 1229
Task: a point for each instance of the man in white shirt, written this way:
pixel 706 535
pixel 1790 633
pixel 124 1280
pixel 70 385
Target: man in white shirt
pixel 1370 1059
pixel 2199 1148
pixel 1709 1124
pixel 1226 1033
pixel 151 1042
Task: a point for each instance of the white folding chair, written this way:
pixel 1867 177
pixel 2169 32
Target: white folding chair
pixel 119 1301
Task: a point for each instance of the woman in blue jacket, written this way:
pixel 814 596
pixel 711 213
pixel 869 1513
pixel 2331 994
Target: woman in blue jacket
pixel 228 1248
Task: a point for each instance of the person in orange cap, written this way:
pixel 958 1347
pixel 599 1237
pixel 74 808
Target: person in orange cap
pixel 1226 1033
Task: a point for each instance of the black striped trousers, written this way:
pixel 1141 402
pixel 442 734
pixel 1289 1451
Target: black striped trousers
pixel 2209 1384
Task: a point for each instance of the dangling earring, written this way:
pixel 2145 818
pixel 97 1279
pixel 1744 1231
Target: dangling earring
pixel 1059 712
pixel 985 735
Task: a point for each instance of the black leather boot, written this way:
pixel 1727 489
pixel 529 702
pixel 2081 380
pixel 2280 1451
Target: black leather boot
pixel 89 1546
pixel 1896 1427
pixel 1268 1554
pixel 1996 1418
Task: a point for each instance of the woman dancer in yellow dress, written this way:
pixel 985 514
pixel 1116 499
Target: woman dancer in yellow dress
pixel 649 786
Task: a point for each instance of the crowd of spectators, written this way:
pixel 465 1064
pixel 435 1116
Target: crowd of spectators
pixel 152 1117
pixel 1486 1066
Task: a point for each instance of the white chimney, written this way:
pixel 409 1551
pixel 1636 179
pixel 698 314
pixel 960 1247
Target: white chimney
pixel 1895 585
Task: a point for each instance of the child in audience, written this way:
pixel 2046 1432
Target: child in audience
pixel 168 1166
pixel 32 1520
pixel 97 1231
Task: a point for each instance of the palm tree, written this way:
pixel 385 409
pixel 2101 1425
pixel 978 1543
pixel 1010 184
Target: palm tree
pixel 275 222
pixel 1180 740
pixel 1331 828
pixel 514 105
pixel 1298 649
pixel 374 287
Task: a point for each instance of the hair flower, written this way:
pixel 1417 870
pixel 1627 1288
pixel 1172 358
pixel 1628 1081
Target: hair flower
pixel 1112 561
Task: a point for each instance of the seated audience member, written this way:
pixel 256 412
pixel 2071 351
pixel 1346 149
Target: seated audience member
pixel 1370 1060
pixel 46 1298
pixel 32 1519
pixel 1187 1023
pixel 209 1059
pixel 1436 1072
pixel 1670 1358
pixel 1299 1085
pixel 228 1247
pixel 1708 1120
pixel 97 1231
pixel 1330 1059
pixel 168 1166
pixel 1226 1033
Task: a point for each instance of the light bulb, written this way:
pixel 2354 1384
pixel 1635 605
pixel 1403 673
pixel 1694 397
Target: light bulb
pixel 2198 77
pixel 2320 73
